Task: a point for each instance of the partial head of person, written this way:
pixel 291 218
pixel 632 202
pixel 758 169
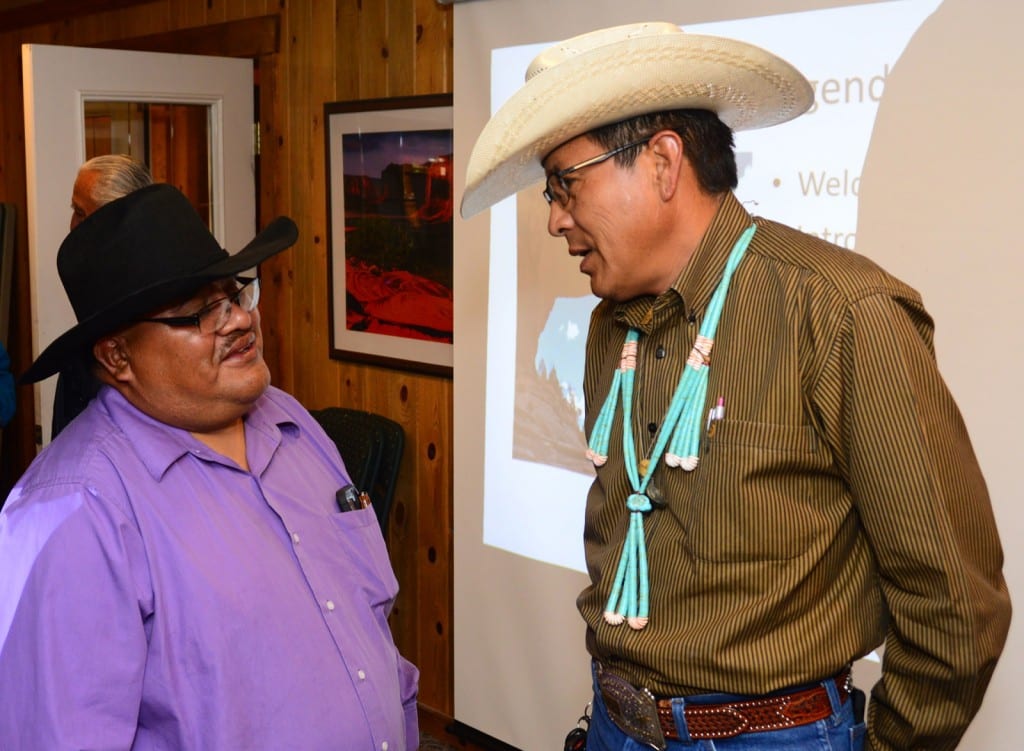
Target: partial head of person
pixel 631 130
pixel 103 179
pixel 167 316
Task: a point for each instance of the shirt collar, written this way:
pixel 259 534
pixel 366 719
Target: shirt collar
pixel 159 445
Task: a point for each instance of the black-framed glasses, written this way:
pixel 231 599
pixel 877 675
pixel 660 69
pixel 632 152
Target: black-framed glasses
pixel 557 189
pixel 215 315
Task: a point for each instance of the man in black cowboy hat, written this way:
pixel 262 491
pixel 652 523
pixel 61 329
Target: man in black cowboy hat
pixel 182 566
pixel 783 481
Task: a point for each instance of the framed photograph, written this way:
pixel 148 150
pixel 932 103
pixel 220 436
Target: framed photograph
pixel 389 209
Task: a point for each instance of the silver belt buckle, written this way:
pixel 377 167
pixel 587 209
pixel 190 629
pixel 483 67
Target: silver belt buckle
pixel 634 711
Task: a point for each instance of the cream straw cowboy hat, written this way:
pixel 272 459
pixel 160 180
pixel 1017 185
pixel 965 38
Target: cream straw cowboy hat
pixel 612 74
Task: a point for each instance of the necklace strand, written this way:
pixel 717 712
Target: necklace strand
pixel 678 437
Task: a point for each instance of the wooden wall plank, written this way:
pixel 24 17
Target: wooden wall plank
pixel 86 28
pixel 274 199
pixel 434 47
pixel 253 37
pixel 236 9
pixel 23 15
pixel 324 387
pixel 138 21
pixel 348 39
pixel 400 45
pixel 258 8
pixel 301 97
pixel 433 542
pixel 216 11
pixel 372 55
pixel 187 13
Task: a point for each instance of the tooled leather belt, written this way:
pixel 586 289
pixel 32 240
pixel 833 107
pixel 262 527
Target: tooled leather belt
pixel 649 719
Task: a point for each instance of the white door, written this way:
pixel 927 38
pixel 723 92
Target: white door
pixel 59 81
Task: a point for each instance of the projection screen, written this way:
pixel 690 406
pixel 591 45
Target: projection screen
pixel 907 156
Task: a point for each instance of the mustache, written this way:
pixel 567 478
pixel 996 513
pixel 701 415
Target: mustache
pixel 236 342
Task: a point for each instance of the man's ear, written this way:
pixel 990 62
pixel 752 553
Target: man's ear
pixel 667 149
pixel 111 353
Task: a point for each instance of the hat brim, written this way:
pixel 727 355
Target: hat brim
pixel 746 86
pixel 279 235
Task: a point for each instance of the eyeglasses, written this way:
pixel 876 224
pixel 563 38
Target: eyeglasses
pixel 214 316
pixel 557 189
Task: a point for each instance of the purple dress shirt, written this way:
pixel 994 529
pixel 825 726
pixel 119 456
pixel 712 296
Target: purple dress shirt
pixel 154 595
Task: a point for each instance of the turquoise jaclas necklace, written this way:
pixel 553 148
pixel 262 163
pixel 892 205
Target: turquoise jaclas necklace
pixel 678 438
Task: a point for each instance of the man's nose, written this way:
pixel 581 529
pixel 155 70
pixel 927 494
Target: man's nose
pixel 559 219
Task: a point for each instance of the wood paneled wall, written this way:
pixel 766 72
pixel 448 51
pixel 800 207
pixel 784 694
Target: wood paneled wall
pixel 328 50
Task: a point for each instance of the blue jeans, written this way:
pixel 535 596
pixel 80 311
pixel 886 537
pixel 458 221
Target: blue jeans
pixel 839 732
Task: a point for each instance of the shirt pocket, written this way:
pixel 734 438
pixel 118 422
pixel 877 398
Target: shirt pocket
pixel 763 492
pixel 364 555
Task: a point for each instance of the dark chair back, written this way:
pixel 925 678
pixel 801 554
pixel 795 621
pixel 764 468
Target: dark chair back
pixel 391 439
pixel 371 446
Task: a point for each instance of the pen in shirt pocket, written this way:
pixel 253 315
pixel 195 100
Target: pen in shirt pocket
pixel 715 415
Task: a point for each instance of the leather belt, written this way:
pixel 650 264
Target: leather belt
pixel 649 719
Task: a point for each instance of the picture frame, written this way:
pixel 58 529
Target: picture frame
pixel 390 206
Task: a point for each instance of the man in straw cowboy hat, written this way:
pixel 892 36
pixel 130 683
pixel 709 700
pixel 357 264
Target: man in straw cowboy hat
pixel 177 573
pixel 783 480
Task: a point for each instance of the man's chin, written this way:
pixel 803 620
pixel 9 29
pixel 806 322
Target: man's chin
pixel 596 288
pixel 249 384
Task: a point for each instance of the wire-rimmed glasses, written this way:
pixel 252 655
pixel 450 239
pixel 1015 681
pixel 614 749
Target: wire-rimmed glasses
pixel 215 315
pixel 557 189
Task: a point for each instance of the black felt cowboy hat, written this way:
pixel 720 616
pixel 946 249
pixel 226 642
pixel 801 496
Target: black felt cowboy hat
pixel 139 253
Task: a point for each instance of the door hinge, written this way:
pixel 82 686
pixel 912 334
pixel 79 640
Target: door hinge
pixel 256 139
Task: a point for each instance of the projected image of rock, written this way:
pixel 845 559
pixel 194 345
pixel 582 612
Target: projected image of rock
pixel 549 391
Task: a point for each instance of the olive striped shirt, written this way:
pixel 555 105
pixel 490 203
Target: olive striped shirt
pixel 837 505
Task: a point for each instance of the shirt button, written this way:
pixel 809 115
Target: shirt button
pixel 384 746
pixel 330 604
pixel 660 352
pixel 295 537
pixel 361 674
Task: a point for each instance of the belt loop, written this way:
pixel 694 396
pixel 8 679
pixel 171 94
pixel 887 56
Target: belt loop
pixel 679 715
pixel 833 696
